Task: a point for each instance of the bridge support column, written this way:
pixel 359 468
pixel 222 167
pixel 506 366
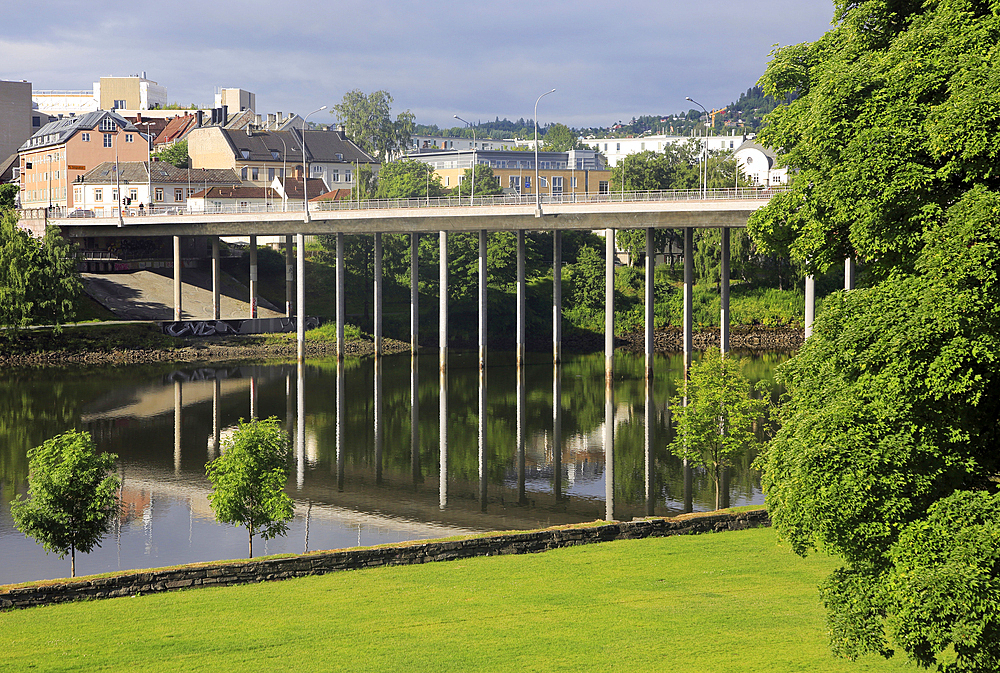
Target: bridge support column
pixel 724 294
pixel 253 277
pixel 849 272
pixel 378 295
pixel 178 423
pixel 557 296
pixel 609 304
pixel 216 281
pixel 443 303
pixel 300 297
pixel 810 303
pixel 289 276
pixel 414 292
pixel 650 265
pixel 177 278
pixel 521 300
pixel 688 296
pixel 483 274
pixel 340 296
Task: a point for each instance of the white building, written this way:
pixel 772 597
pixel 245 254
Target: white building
pixel 758 165
pixel 616 149
pixel 166 187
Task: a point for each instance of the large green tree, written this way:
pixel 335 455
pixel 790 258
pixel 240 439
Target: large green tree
pixel 406 179
pixel 71 495
pixel 8 194
pixel 249 478
pixel 39 281
pixel 175 154
pixel 897 116
pixel 487 184
pixel 368 122
pixel 889 428
pixel 561 138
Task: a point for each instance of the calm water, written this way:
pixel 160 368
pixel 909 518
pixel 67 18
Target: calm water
pixel 363 472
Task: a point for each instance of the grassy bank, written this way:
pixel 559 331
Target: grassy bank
pixel 724 602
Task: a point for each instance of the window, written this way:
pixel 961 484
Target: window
pixel 275 155
pixel 108 124
pixel 120 104
pixel 317 170
pixel 348 176
pixel 557 184
pixel 178 194
pixel 78 194
pixel 243 173
pixel 36 122
pixel 618 147
pixel 602 187
pixel 98 195
pixel 107 140
pixel 85 137
pixel 574 183
pixel 254 173
pixel 128 137
pixel 270 174
pixel 340 157
pixel 245 154
pixel 642 147
pixel 158 194
pixel 515 183
pixel 133 193
pixel 335 176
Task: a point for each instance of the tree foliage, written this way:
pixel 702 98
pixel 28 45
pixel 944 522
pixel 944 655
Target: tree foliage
pixel 406 178
pixel 896 118
pixel 487 184
pixel 716 415
pixel 8 195
pixel 39 282
pixel 248 480
pixel 891 415
pixel 71 497
pixel 367 121
pixel 560 138
pixel 175 154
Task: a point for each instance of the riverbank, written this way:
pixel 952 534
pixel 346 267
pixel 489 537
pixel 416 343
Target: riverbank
pixel 143 343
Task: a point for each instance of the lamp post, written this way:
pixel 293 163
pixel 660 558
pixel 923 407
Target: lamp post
pixel 473 196
pixel 538 194
pixel 305 166
pixel 149 164
pixel 704 191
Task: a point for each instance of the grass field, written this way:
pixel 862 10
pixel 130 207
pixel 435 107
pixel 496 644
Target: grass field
pixel 738 602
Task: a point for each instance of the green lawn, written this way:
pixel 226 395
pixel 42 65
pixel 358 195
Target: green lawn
pixel 737 602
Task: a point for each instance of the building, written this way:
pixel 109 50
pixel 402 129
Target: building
pixel 616 149
pixel 260 156
pixel 165 187
pixel 52 159
pixel 131 93
pixel 433 143
pixel 16 116
pixel 560 173
pixel 758 165
pixel 235 99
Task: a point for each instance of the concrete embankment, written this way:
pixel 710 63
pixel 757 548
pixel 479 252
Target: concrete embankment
pixel 319 563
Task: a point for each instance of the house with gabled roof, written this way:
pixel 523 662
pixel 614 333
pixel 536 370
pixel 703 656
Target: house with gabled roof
pixel 157 187
pixel 53 158
pixel 260 156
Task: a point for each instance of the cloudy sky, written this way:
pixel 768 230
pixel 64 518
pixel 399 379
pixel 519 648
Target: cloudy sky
pixel 607 61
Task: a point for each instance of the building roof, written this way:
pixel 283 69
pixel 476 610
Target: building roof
pixel 237 192
pixel 57 132
pixel 163 173
pixel 334 195
pixel 333 146
pixel 176 129
pixel 293 188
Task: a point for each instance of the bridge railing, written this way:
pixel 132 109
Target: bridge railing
pixel 500 200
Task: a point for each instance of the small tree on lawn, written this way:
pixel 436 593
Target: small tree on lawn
pixel 717 422
pixel 248 480
pixel 71 497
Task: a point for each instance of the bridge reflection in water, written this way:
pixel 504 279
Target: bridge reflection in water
pixel 381 451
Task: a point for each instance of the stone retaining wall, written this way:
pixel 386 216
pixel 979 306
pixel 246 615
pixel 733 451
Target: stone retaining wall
pixel 319 563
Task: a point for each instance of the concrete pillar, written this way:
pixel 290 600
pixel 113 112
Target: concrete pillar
pixel 810 304
pixel 557 296
pixel 522 496
pixel 649 440
pixel 483 473
pixel 522 304
pixel 415 418
pixel 443 302
pixel 289 276
pixel 300 424
pixel 414 292
pixel 300 292
pixel 724 294
pixel 378 294
pixel 849 271
pixel 609 303
pixel 650 308
pixel 216 281
pixel 609 450
pixel 443 438
pixel 253 277
pixel 340 296
pixel 557 440
pixel 216 427
pixel 688 296
pixel 483 276
pixel 178 312
pixel 341 423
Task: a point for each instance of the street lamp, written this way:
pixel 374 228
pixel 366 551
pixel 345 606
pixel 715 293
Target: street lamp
pixel 538 193
pixel 704 191
pixel 473 196
pixel 305 166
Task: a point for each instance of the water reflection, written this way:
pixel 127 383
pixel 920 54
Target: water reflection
pixel 511 449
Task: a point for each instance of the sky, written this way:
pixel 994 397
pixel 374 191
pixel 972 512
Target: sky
pixel 608 62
